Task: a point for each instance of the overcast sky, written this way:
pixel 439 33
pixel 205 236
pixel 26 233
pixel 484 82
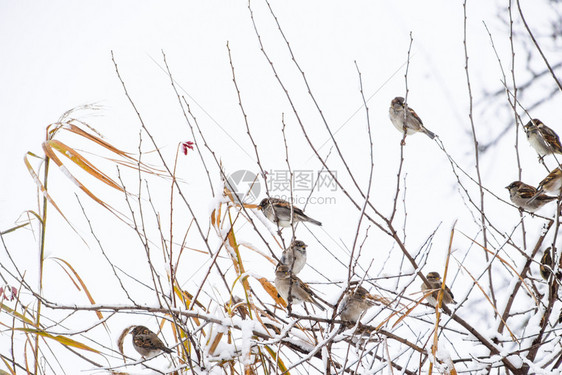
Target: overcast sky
pixel 57 55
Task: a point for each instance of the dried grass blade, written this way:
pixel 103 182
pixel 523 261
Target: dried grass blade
pixel 490 302
pixel 13 228
pixel 215 343
pixel 2 372
pixel 66 341
pixel 278 360
pixel 49 152
pixel 406 313
pixel 79 160
pixel 272 291
pixel 121 340
pixel 508 265
pixel 16 314
pixel 44 192
pixel 79 131
pixel 435 344
pixel 86 291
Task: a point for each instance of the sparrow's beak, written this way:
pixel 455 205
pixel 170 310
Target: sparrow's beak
pixel 507 187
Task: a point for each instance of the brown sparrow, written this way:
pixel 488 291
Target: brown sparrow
pixel 526 197
pixel 355 303
pixel 295 256
pixel 279 211
pixel 434 280
pixel 552 183
pixel 300 292
pixel 546 264
pixel 146 342
pixel 412 123
pixel 543 139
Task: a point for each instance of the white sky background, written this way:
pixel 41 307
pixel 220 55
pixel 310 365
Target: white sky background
pixel 56 56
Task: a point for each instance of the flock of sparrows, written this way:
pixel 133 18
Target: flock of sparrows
pixel 546 142
pixel 357 299
pixel 542 138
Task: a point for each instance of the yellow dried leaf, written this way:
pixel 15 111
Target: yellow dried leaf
pixel 79 160
pixel 2 372
pixel 215 343
pixel 61 339
pixel 121 339
pixel 272 291
pixel 406 313
pixel 43 190
pixel 16 314
pixel 279 361
pixel 86 291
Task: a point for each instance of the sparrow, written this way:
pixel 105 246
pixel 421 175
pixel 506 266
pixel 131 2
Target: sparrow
pixel 526 196
pixel 552 183
pixel 543 139
pixel 295 256
pixel 413 123
pixel 546 264
pixel 355 303
pixel 434 280
pixel 279 211
pixel 300 292
pixel 147 343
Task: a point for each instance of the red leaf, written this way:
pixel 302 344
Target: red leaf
pixel 186 145
pixel 8 292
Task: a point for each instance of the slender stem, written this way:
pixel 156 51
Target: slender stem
pixel 403 142
pixel 41 261
pixel 538 47
pixel 476 156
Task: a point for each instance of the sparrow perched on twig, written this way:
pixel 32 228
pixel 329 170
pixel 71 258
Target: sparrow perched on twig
pixel 300 292
pixel 279 211
pixel 526 196
pixel 295 256
pixel 543 139
pixel 434 280
pixel 412 123
pixel 355 303
pixel 147 343
pixel 546 264
pixel 552 183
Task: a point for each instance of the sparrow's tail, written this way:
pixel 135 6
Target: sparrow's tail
pixel 311 220
pixel 429 133
pixel 317 304
pixel 167 350
pixel 547 198
pixel 537 194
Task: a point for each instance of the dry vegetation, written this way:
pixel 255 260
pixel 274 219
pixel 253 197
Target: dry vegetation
pixel 235 322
